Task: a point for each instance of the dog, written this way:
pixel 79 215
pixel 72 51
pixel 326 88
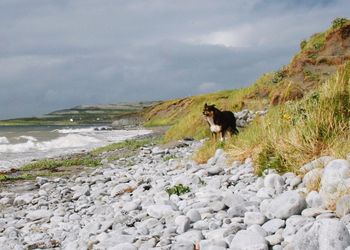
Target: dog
pixel 219 121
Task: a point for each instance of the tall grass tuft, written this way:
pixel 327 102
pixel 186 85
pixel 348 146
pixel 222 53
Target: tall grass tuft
pixel 297 132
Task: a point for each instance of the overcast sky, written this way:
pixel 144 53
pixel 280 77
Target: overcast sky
pixel 56 54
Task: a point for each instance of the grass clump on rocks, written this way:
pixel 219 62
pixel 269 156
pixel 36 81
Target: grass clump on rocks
pixel 178 190
pixel 295 133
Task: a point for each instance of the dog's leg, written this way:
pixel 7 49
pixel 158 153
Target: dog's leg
pixel 222 136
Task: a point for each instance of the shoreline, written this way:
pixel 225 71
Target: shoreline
pixel 13 175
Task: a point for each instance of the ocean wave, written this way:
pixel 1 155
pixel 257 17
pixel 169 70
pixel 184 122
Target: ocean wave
pixel 27 137
pixel 82 130
pixel 64 142
pixel 4 140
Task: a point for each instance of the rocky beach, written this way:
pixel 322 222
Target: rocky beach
pixel 160 198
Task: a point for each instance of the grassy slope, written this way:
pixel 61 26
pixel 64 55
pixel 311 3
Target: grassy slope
pixel 283 89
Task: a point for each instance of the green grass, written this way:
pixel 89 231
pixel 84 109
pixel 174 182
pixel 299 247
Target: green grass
pixel 297 132
pixel 51 164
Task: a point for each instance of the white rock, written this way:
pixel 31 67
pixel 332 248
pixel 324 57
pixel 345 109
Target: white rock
pixel 39 214
pixel 251 218
pixel 333 180
pixel 212 245
pixel 248 240
pixel 192 236
pixel 283 206
pixel 183 223
pixel 314 199
pixel 275 239
pixel 257 229
pixel 23 199
pixel 273 225
pixel 159 211
pixel 123 246
pixel 322 234
pixel 193 215
pixel 230 199
pixel 274 181
pixel 343 206
pixel 314 211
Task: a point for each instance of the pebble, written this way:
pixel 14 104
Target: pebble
pixel 121 206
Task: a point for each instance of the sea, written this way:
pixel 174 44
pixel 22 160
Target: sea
pixel 20 145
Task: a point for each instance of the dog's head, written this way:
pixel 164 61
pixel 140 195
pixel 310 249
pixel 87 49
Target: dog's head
pixel 209 110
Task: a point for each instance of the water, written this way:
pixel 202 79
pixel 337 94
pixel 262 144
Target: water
pixel 21 145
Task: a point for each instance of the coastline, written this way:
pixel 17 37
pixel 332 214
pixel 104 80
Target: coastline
pixel 20 174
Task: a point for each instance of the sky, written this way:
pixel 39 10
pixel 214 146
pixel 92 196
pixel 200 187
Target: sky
pixel 59 54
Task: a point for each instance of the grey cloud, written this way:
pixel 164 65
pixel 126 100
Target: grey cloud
pixel 56 54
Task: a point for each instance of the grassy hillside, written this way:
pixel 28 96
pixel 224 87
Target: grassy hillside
pixel 300 125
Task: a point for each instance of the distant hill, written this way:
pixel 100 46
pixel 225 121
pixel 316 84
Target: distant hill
pixel 85 114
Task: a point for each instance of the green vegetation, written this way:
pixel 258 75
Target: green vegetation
pixel 178 190
pixel 297 132
pixel 52 164
pixel 339 22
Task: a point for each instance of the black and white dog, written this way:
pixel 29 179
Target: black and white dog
pixel 220 121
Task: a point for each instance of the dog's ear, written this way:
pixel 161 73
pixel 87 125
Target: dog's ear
pixel 213 105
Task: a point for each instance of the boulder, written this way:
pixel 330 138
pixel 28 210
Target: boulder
pixel 283 206
pixel 323 234
pixel 333 181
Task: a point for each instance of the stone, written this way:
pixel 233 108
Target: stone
pixel 273 225
pixel 283 206
pixel 275 239
pixel 323 234
pixel 123 246
pixel 265 193
pixel 251 218
pixel 215 170
pixel 313 211
pixel 217 206
pixel 192 236
pixel 248 240
pixel 274 181
pixel 184 245
pixel 333 180
pixel 193 215
pixel 159 211
pixel 39 214
pixel 314 199
pixel 237 210
pixel 23 199
pixel 293 224
pixel 258 229
pixel 230 199
pixel 343 206
pixel 183 223
pixel 212 245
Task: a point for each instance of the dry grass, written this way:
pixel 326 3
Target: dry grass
pixel 297 132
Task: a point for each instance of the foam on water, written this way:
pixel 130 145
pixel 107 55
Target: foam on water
pixel 3 140
pixel 66 141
